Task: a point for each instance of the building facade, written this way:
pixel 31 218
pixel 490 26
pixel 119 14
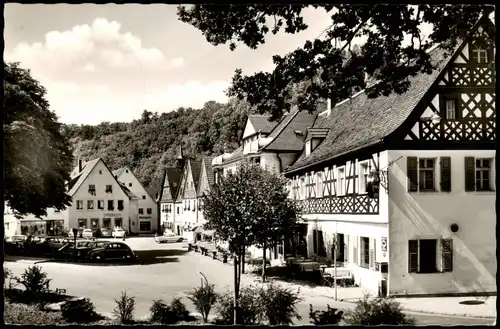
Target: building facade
pixel 403 186
pixel 207 179
pixel 188 196
pixel 147 206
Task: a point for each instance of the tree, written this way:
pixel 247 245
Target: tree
pixel 240 205
pixel 277 216
pixel 328 65
pixel 37 158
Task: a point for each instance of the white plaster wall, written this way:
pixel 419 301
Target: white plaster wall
pixel 188 216
pixel 270 161
pixel 431 214
pixel 100 181
pixel 128 178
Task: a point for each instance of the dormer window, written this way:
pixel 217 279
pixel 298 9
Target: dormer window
pixel 480 54
pixel 308 148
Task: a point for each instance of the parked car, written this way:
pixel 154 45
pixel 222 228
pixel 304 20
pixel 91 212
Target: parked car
pixel 105 232
pixel 110 250
pixel 87 233
pixel 83 247
pixel 118 232
pixel 16 238
pixel 168 237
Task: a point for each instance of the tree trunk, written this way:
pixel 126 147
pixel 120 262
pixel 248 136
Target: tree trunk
pixel 236 289
pixel 264 250
pixel 243 262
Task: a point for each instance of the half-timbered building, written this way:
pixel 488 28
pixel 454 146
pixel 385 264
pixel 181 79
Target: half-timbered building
pixel 207 179
pixel 403 186
pixel 170 209
pixel 187 196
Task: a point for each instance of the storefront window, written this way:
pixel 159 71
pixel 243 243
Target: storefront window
pixel 82 223
pixel 95 223
pixel 118 222
pixel 106 222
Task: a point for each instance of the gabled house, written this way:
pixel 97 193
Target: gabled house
pixel 207 179
pixel 188 196
pixel 401 188
pixel 147 207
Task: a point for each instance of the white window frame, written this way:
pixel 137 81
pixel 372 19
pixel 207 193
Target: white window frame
pixel 364 171
pixel 308 147
pixel 79 205
pixel 319 184
pixel 478 53
pixel 341 181
pixel 483 170
pixel 451 110
pixel 303 187
pixel 434 174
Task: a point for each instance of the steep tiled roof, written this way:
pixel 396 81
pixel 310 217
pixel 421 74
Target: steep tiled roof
pixel 236 155
pixel 118 172
pixel 128 192
pixel 262 123
pixel 77 178
pixel 361 122
pixel 285 137
pixel 207 161
pixel 196 171
pixel 174 176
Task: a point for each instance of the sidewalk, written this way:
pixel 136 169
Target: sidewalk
pixel 26 259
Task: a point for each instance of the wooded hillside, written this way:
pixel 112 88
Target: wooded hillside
pixel 149 144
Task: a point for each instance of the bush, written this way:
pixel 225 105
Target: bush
pixel 278 305
pixel 125 308
pixel 30 315
pixel 7 274
pixel 203 298
pixel 79 311
pixel 164 314
pixel 328 317
pixel 35 282
pixel 249 306
pixel 179 309
pixel 377 311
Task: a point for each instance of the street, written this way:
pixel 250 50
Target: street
pixel 168 271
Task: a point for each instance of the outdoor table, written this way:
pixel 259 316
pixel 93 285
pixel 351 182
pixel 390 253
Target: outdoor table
pixel 309 266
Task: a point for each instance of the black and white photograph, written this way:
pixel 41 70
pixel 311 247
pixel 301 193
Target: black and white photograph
pixel 249 164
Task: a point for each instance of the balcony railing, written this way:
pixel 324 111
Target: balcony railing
pixel 347 204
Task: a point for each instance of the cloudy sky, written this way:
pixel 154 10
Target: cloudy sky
pixel 110 62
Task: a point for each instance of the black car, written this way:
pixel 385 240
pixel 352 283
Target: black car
pixel 110 250
pixel 83 247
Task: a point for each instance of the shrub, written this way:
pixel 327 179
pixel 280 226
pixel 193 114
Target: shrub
pixel 377 311
pixel 278 305
pixel 79 311
pixel 7 274
pixel 328 317
pixel 164 314
pixel 30 315
pixel 203 298
pixel 249 306
pixel 35 282
pixel 179 309
pixel 125 308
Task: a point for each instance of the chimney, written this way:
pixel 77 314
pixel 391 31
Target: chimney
pixel 80 165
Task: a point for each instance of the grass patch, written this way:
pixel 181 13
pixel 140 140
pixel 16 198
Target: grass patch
pixel 31 315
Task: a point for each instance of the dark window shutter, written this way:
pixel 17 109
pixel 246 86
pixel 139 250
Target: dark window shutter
pixel 412 256
pixel 445 174
pixel 470 174
pixel 447 254
pixel 346 248
pixel 412 172
pixel 315 241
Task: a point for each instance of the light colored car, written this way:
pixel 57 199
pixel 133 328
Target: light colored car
pixel 105 232
pixel 168 237
pixel 87 233
pixel 118 233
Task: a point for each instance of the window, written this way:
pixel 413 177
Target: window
pixel 90 204
pixel 100 204
pixel 363 177
pixel 82 222
pixel 308 148
pixel 188 203
pixel 126 171
pixel 149 211
pixel 480 54
pixel 178 210
pixel 129 184
pixel 144 197
pixel 106 222
pixel 341 181
pixel 92 189
pixel 118 222
pixel 144 226
pixel 422 255
pixel 94 223
pixel 111 205
pixel 57 210
pixel 302 188
pixel 319 185
pixel 100 172
pixel 141 211
pixel 478 174
pixel 120 205
pixel 109 189
pixel 79 204
pixel 364 251
pixel 426 174
pixel 451 109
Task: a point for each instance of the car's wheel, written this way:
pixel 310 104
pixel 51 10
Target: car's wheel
pixel 98 257
pixel 180 240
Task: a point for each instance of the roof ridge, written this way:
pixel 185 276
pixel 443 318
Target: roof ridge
pixel 292 116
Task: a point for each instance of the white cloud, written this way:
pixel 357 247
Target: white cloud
pixel 102 40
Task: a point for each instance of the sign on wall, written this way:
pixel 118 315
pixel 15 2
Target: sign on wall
pixel 383 243
pixel 111 215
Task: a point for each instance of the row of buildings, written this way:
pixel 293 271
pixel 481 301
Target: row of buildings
pixel 430 226
pixel 403 185
pixel 102 199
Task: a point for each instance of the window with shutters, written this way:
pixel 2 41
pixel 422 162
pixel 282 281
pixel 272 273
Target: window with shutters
pixel 421 174
pixel 364 251
pixel 445 164
pixel 423 255
pixel 483 174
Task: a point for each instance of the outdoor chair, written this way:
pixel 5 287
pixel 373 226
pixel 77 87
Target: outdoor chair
pixel 326 278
